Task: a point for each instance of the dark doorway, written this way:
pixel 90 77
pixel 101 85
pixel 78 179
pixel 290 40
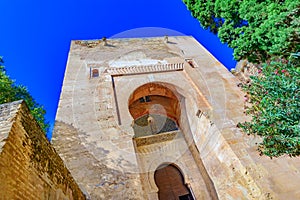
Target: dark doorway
pixel 170 183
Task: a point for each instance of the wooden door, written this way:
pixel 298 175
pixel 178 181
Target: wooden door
pixel 170 183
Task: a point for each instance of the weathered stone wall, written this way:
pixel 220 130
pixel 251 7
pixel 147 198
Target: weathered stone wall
pixel 279 177
pixel 30 168
pixel 94 118
pixel 230 156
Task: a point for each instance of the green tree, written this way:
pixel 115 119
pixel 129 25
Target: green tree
pixel 274 97
pixel 10 91
pixel 267 33
pixel 255 29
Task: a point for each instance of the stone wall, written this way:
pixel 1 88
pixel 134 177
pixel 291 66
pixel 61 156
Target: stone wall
pixel 169 148
pixel 93 116
pixel 30 168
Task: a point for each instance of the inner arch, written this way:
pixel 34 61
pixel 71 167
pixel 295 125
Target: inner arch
pixel 155 109
pixel 170 183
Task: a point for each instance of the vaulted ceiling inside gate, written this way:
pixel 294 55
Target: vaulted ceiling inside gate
pixel 155 109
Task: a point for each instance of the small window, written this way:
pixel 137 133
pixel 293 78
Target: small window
pixel 144 99
pixel 191 63
pixel 147 98
pixel 95 73
pixel 199 113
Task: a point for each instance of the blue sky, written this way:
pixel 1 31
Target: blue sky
pixel 35 35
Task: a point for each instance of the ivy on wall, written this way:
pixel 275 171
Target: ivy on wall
pixel 274 97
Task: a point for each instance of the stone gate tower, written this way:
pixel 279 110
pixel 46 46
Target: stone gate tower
pixel 155 118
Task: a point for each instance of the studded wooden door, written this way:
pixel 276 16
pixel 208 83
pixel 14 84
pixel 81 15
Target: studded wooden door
pixel 169 181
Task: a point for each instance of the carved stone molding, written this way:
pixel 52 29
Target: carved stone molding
pixel 152 139
pixel 142 69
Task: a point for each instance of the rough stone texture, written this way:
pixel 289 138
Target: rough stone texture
pixel 29 166
pixel 94 173
pixel 94 119
pixel 166 151
pixel 244 69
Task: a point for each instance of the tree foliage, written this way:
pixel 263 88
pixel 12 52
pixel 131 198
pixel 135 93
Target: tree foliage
pixel 255 29
pixel 264 32
pixel 10 91
pixel 274 97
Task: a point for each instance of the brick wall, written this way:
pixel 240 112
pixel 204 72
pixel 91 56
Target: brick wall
pixel 30 168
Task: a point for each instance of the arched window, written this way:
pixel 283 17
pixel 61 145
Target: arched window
pixel 95 73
